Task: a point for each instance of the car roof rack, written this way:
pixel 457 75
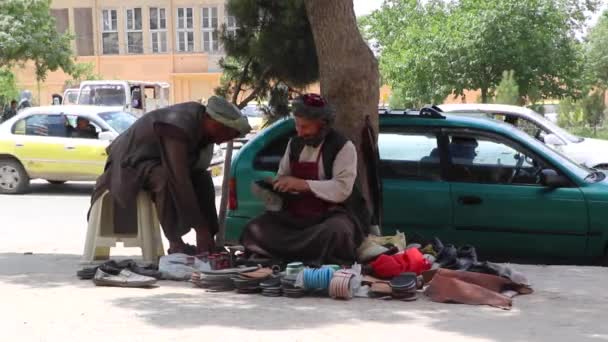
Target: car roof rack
pixel 429 111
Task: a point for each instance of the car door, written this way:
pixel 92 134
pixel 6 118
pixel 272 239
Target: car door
pixel 416 197
pixel 40 144
pixel 500 206
pixel 86 155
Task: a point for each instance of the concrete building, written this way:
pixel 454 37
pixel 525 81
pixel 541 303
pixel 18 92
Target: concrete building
pixel 173 41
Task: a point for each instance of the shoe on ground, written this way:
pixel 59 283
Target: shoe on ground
pixel 125 278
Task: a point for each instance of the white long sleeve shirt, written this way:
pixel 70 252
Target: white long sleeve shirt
pixel 340 186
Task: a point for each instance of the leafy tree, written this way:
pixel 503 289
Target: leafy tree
pixel 8 88
pixel 413 50
pixel 593 109
pixel 28 33
pixel 597 52
pixel 570 113
pixel 507 91
pixel 439 47
pixel 399 100
pixel 273 44
pixel 81 72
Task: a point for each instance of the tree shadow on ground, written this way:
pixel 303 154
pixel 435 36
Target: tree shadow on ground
pixel 569 305
pixel 44 270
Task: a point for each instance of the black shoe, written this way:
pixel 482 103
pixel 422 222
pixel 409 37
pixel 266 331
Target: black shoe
pixel 448 257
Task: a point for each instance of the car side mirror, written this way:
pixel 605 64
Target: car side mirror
pixel 108 136
pixel 552 139
pixel 550 178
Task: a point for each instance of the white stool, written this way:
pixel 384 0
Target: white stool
pixel 101 237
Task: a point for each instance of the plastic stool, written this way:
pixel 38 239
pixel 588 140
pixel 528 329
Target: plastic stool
pixel 101 237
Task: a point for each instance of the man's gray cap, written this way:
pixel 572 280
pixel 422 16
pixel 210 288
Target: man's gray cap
pixel 227 114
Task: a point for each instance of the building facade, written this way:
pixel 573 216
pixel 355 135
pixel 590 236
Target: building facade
pixel 172 41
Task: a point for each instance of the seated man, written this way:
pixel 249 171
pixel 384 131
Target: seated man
pixel 325 218
pixel 166 153
pixel 84 129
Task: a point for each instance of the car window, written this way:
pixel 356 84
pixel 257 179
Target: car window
pixel 269 157
pixel 481 159
pixel 42 125
pixel 531 128
pixel 90 131
pixel 119 121
pixel 409 155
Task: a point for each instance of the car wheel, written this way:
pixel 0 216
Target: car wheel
pixel 55 182
pixel 13 178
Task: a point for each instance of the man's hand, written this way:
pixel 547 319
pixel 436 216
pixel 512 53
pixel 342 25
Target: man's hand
pixel 291 184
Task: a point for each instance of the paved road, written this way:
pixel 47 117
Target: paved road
pixel 42 300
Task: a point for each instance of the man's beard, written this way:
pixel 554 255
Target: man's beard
pixel 317 139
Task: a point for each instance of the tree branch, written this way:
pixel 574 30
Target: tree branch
pixel 237 89
pixel 255 91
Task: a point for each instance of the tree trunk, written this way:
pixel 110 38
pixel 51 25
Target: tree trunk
pixel 348 72
pixel 484 95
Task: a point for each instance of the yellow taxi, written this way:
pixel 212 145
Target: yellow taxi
pixel 57 143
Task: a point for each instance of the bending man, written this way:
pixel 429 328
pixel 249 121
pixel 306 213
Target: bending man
pixel 167 152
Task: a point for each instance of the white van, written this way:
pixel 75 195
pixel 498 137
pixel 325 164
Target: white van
pixel 70 96
pixel 136 97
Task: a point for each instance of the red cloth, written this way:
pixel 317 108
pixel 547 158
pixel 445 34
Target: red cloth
pixel 389 266
pixel 416 261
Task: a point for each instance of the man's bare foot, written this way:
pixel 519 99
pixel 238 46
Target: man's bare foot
pixel 204 242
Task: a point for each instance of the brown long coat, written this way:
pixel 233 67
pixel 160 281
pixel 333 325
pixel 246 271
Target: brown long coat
pixel 159 154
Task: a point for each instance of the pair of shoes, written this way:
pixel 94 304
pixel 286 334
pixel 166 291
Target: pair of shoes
pixel 125 278
pixel 457 259
pixel 370 250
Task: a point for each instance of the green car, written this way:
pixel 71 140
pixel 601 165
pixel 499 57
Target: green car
pixel 465 180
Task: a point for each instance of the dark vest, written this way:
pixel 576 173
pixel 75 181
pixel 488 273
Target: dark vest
pixel 354 205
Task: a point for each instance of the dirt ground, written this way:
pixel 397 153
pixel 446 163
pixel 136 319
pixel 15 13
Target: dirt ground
pixel 42 300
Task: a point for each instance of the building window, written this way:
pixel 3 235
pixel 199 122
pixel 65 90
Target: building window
pixel 158 28
pixel 83 28
pixel 109 32
pixel 185 30
pixel 62 20
pixel 209 27
pixel 230 23
pixel 135 35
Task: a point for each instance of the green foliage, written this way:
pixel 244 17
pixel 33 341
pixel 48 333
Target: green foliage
pixel 278 104
pixel 272 45
pixel 81 72
pixel 8 87
pixel 433 48
pixel 570 113
pixel 597 52
pixel 593 108
pixel 413 48
pixel 27 33
pixel 507 91
pixel 399 100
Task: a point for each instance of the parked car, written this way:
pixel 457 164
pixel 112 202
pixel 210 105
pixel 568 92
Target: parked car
pixel 37 143
pixel 254 115
pixel 465 180
pixel 592 153
pixel 70 96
